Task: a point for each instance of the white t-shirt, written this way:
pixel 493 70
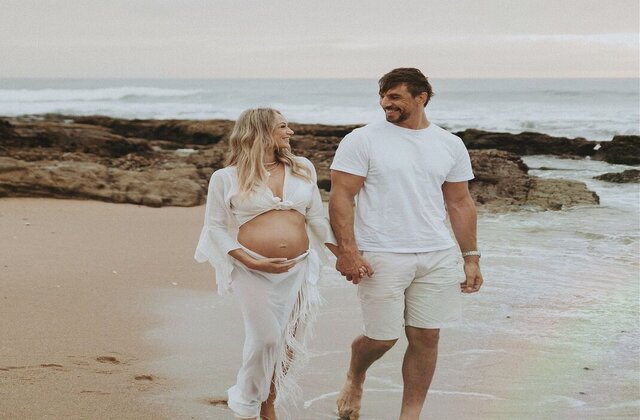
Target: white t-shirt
pixel 400 207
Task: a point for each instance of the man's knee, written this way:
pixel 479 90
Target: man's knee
pixel 423 337
pixel 374 346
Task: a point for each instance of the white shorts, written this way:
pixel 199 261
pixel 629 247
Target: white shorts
pixel 416 290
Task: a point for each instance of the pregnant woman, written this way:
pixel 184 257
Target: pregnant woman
pixel 263 227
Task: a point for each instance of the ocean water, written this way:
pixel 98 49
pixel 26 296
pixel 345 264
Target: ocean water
pixel 596 109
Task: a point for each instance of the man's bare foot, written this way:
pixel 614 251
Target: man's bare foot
pixel 349 399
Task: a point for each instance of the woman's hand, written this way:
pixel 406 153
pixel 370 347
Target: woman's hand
pixel 268 265
pixel 271 265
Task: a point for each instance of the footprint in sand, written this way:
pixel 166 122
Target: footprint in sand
pixel 108 359
pixel 79 360
pixel 95 392
pixel 221 401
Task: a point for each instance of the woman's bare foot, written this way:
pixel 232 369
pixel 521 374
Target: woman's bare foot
pixel 268 411
pixel 349 399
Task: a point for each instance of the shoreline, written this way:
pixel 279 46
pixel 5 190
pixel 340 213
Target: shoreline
pixel 77 335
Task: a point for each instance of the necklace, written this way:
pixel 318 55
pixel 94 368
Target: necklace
pixel 271 167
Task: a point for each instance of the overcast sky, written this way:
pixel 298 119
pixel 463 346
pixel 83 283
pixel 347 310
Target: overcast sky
pixel 318 38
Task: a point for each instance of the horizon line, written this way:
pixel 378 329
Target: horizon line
pixel 313 78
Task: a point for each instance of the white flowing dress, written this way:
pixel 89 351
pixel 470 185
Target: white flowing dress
pixel 277 308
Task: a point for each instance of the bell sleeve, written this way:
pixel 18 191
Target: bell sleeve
pixel 318 226
pixel 218 235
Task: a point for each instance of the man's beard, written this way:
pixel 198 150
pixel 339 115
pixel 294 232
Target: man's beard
pixel 402 116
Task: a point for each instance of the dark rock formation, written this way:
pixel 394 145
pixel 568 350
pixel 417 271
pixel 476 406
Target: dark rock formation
pixel 630 175
pixel 181 132
pixel 502 183
pixel 500 178
pixel 528 143
pixel 70 137
pixel 160 163
pixel 621 149
pixel 6 129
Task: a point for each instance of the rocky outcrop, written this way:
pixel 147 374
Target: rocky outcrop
pixel 621 149
pixel 171 186
pixel 61 137
pixel 528 143
pixel 6 129
pixel 168 163
pixel 192 132
pixel 628 176
pixel 502 183
pixel 559 194
pixel 179 132
pixel 500 178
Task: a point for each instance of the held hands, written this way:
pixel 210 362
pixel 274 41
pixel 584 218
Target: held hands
pixel 353 266
pixel 473 277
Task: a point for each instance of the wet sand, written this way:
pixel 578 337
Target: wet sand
pixel 104 314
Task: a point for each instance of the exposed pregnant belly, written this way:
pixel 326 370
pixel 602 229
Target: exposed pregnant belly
pixel 276 234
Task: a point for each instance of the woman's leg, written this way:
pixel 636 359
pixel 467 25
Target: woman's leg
pixel 267 308
pixel 268 409
pixel 263 340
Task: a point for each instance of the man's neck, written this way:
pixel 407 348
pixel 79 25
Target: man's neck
pixel 417 123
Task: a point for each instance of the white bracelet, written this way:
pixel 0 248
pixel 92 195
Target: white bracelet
pixel 475 253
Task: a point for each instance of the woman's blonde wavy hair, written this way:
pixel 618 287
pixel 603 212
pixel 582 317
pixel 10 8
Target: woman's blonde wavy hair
pixel 251 138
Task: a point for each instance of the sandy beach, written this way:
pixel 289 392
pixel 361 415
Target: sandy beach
pixel 74 278
pixel 105 315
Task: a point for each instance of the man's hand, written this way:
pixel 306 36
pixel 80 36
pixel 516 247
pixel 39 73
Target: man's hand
pixel 473 277
pixel 353 266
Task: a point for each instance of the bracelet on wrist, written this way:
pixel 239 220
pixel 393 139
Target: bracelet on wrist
pixel 474 253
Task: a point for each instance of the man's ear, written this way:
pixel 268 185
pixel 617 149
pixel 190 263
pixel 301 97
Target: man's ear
pixel 423 97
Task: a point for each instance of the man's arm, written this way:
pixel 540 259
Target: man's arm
pixel 344 188
pixel 463 217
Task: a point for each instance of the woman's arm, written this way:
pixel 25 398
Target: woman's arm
pixel 316 218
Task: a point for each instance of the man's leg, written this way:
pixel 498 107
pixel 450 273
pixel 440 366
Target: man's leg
pixel 433 301
pixel 364 351
pixel 417 369
pixel 382 301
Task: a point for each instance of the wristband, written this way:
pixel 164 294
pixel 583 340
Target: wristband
pixel 475 253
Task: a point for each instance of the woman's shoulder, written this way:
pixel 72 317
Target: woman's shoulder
pixel 227 170
pixel 226 173
pixel 301 160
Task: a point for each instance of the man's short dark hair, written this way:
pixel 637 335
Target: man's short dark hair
pixel 415 81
